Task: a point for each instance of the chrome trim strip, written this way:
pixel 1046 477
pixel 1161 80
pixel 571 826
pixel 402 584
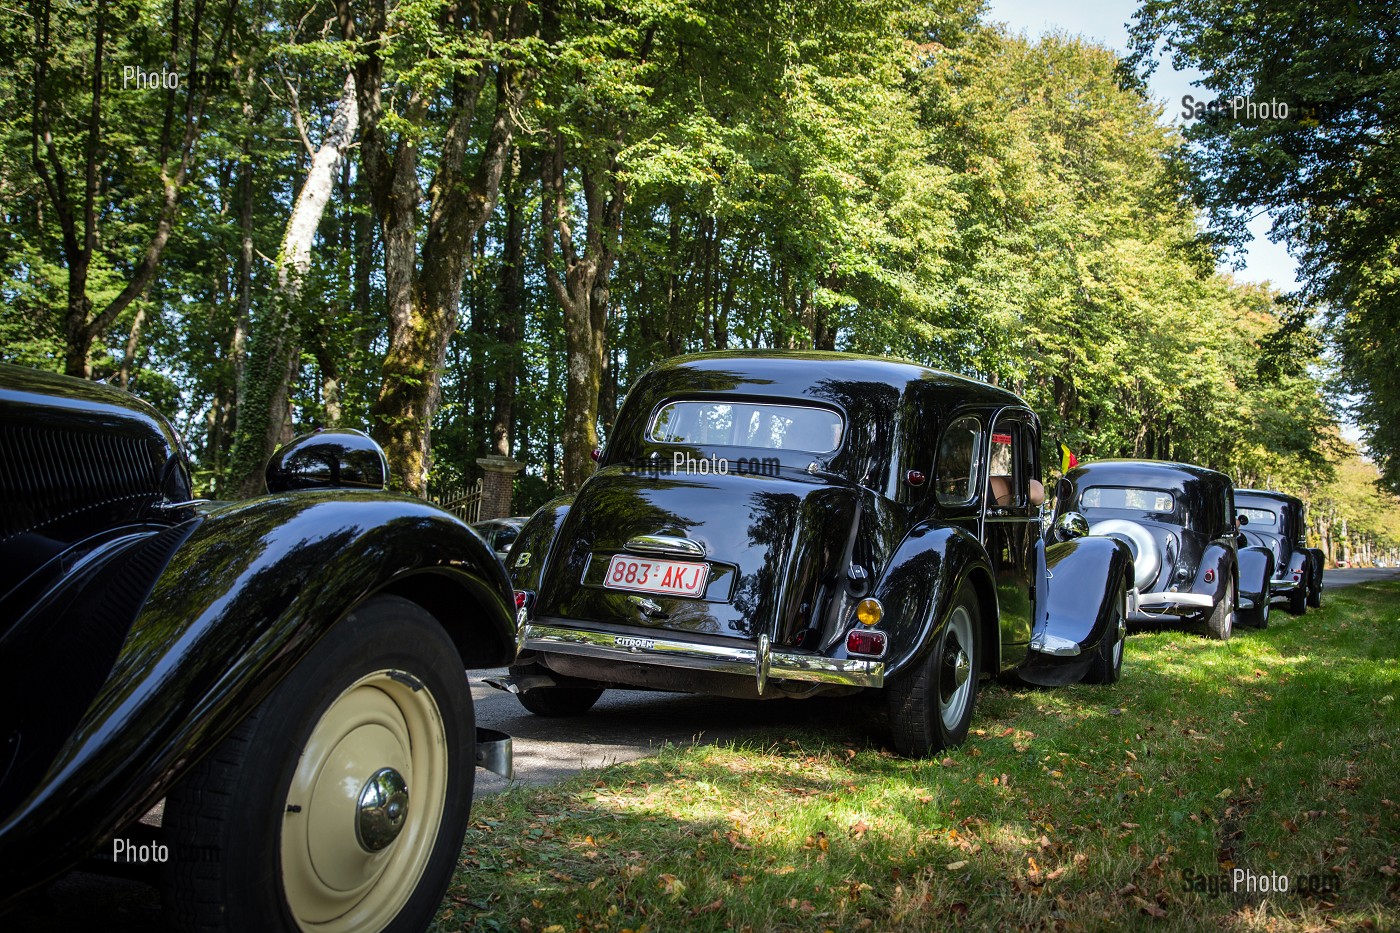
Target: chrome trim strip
pixel 1054 645
pixel 665 545
pixel 782 665
pixel 1198 600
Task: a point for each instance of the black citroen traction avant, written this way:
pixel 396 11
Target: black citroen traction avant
pixel 793 524
pixel 1277 521
pixel 1192 566
pixel 285 672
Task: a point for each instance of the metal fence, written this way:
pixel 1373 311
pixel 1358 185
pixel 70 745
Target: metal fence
pixel 463 502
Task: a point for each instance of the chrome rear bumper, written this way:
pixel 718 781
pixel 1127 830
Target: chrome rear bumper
pixel 761 662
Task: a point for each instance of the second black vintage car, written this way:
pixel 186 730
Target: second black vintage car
pixel 1277 521
pixel 795 524
pixel 1179 520
pixel 286 673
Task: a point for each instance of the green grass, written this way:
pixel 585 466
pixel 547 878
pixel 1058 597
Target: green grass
pixel 1068 809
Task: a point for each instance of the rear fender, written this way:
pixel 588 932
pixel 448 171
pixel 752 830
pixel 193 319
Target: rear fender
pixel 1256 566
pixel 250 590
pixel 917 591
pixel 1078 603
pixel 529 555
pixel 1218 561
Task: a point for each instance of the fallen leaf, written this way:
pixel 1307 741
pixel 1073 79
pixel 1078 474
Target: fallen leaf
pixel 672 885
pixel 860 828
pixel 956 866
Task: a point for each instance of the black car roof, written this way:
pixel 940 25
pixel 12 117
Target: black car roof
pixel 795 373
pixel 1268 494
pixel 1145 472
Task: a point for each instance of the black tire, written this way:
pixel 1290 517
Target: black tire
pixel 383 691
pixel 1258 616
pixel 1107 666
pixel 1315 592
pixel 931 705
pixel 1299 597
pixel 1221 621
pixel 560 702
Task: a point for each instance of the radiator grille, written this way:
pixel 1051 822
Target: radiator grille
pixel 48 475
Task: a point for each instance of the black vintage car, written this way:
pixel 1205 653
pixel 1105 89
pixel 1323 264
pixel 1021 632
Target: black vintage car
pixel 795 524
pixel 285 672
pixel 1277 521
pixel 1190 563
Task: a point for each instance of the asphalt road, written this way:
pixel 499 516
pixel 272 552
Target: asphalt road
pixel 625 725
pixel 1346 577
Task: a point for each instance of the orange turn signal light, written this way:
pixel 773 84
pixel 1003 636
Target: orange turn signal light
pixel 869 611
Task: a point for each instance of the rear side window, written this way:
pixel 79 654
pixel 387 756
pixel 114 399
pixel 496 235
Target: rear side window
pixel 747 424
pixel 957 474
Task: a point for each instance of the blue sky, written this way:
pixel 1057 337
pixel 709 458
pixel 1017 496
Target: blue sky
pixel 1106 21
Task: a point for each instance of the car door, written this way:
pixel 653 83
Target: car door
pixel 1011 520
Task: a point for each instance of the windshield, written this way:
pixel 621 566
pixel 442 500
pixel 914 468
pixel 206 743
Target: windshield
pixel 747 424
pixel 1126 497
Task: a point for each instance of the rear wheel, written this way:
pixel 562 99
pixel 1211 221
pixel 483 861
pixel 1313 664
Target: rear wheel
pixel 931 706
pixel 1315 592
pixel 1107 665
pixel 1222 618
pixel 1298 597
pixel 340 803
pixel 558 702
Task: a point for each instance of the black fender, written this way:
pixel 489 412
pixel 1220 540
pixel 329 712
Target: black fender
pixel 529 555
pixel 1317 564
pixel 1256 567
pixel 917 590
pixel 1218 561
pixel 1078 599
pixel 248 589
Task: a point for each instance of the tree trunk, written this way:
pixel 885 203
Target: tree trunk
pixel 510 325
pixel 275 352
pixel 583 293
pixel 424 298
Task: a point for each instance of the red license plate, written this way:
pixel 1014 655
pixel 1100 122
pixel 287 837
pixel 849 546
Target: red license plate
pixel 668 577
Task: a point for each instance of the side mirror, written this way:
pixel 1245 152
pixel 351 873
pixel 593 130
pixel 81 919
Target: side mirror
pixel 338 459
pixel 1070 525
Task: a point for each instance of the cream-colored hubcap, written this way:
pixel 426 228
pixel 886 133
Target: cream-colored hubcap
pixel 381 741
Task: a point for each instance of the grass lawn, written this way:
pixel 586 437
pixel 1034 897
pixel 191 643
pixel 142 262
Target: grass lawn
pixel 1276 754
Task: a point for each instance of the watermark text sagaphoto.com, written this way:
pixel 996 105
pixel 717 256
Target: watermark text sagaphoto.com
pixel 1247 881
pixel 1238 107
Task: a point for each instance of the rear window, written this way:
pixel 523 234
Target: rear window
pixel 1259 517
pixel 747 424
pixel 1126 497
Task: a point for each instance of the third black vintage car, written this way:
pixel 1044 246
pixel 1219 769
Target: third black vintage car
pixel 795 524
pixel 1179 520
pixel 286 673
pixel 1276 521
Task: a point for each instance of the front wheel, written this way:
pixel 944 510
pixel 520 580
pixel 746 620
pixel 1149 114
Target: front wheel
pixel 1222 617
pixel 340 803
pixel 931 706
pixel 1258 616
